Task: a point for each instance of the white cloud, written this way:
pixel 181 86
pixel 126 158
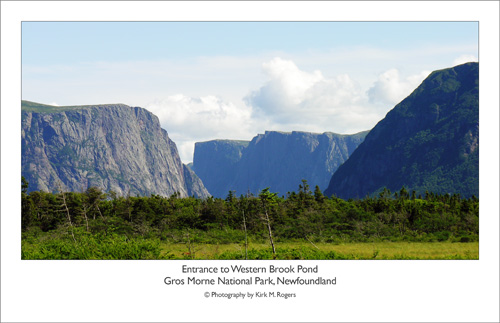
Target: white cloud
pixel 288 82
pixel 464 59
pixel 193 119
pixel 390 89
pixel 294 99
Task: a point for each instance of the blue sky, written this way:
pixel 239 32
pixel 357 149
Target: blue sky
pixel 212 80
pixel 77 42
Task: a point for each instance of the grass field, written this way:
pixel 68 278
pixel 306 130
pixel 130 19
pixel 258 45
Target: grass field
pixel 291 250
pixel 89 246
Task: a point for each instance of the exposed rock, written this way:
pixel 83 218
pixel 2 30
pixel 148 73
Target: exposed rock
pixel 279 160
pixel 113 147
pixel 216 163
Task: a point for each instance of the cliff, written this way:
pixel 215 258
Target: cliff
pixel 113 147
pixel 216 162
pixel 279 160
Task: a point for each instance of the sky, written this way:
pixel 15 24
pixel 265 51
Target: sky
pixel 233 80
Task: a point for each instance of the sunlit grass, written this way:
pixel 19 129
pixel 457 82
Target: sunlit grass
pixel 375 250
pixel 114 246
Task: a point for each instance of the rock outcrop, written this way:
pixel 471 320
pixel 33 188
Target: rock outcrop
pixel 279 160
pixel 428 142
pixel 114 147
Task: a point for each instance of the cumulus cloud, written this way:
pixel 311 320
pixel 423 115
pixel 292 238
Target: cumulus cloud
pixel 294 99
pixel 287 85
pixel 192 119
pixel 464 59
pixel 390 88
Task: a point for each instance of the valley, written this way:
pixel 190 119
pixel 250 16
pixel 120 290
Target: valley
pixel 106 181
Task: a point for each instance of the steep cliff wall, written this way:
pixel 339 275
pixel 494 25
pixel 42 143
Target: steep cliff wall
pixel 216 162
pixel 114 147
pixel 279 160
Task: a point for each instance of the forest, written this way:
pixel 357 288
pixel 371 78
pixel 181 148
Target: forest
pixel 306 224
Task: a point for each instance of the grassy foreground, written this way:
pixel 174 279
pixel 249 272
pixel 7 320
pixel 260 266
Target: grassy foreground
pixel 121 247
pixel 348 251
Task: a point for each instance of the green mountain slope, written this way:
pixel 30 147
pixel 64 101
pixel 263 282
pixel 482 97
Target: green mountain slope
pixel 428 142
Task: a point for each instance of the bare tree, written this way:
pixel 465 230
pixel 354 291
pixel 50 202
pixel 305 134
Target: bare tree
pixel 246 239
pixel 85 208
pixel 268 199
pixel 65 205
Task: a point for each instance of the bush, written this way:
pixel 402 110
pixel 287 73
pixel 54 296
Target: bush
pixel 443 235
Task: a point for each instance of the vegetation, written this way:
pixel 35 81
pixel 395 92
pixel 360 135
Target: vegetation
pixel 302 225
pixel 428 142
pixel 39 107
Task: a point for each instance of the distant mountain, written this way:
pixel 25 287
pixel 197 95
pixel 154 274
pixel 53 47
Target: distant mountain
pixel 216 163
pixel 114 147
pixel 428 142
pixel 279 160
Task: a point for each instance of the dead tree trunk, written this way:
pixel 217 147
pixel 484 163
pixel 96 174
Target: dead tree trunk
pixel 246 239
pixel 270 233
pixel 65 205
pixel 268 199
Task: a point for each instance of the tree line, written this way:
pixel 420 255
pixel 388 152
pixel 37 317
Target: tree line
pixel 303 215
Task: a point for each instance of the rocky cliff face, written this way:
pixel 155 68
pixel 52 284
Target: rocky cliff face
pixel 428 142
pixel 279 160
pixel 113 147
pixel 216 162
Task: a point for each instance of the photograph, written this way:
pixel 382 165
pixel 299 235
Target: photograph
pixel 250 161
pixel 250 140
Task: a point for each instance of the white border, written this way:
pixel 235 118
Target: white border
pixel 134 290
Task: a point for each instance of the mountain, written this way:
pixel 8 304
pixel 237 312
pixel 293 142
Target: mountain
pixel 279 160
pixel 114 147
pixel 216 161
pixel 428 142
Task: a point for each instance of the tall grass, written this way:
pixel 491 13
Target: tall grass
pixel 115 246
pixel 327 251
pixel 88 246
